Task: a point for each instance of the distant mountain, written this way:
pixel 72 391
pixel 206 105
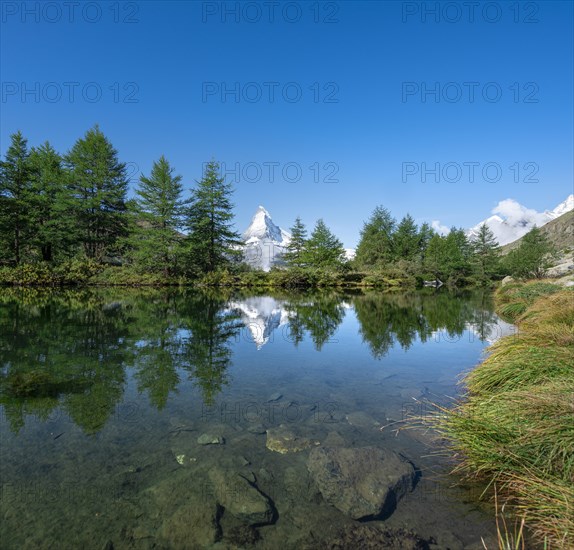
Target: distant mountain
pixel 559 232
pixel 512 220
pixel 265 242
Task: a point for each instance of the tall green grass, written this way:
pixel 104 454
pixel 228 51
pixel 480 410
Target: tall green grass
pixel 515 426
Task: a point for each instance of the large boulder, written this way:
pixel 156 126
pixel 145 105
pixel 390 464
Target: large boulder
pixel 364 483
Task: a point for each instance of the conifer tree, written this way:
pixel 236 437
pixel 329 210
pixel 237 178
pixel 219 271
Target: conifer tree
pixel 212 242
pixel 296 247
pixel 406 239
pixel 485 257
pixel 51 204
pixel 158 210
pixel 15 195
pixel 533 256
pixel 376 243
pixel 99 185
pixel 323 249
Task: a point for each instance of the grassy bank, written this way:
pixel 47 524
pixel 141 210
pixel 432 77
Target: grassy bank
pixel 515 427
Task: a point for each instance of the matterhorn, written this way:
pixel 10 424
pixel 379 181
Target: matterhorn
pixel 265 242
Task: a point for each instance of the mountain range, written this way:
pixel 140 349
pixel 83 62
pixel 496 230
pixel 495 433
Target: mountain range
pixel 512 220
pixel 265 242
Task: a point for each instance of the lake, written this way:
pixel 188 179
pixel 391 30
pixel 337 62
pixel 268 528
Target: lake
pixel 145 418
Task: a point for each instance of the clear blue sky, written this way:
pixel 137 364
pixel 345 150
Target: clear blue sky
pixel 372 60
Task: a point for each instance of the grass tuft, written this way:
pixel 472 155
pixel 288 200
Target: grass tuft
pixel 515 426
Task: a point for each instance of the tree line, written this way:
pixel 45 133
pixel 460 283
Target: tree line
pixel 69 215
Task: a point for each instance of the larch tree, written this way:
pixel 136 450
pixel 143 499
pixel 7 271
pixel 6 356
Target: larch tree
pixel 15 195
pixel 158 218
pixel 296 247
pixel 99 184
pixel 212 243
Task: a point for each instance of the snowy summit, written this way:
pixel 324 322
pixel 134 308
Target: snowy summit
pixel 512 220
pixel 264 241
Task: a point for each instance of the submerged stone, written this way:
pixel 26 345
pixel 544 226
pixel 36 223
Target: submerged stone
pixel 192 526
pixel 257 429
pixel 368 537
pixel 362 420
pixel 283 440
pixel 210 439
pixel 364 483
pixel 275 397
pixel 241 498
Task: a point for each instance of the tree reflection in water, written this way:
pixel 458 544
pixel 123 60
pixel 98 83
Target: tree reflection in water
pixel 74 350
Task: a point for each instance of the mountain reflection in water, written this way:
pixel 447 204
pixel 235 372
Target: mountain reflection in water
pixel 70 350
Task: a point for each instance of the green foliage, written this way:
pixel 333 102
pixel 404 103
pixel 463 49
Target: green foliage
pixel 50 205
pixel 532 258
pixel 448 258
pixel 406 240
pixel 15 198
pixel 155 244
pixel 73 271
pixel 295 249
pixel 99 184
pixel 376 242
pixel 323 250
pixel 212 241
pixel 485 259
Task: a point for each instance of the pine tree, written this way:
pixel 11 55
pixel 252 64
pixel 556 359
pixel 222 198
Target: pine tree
pixel 99 185
pixel 212 242
pixel 436 257
pixel 15 195
pixel 406 239
pixel 296 247
pixel 485 257
pixel 426 233
pixel 533 256
pixel 51 203
pixel 323 249
pixel 458 251
pixel 158 210
pixel 376 243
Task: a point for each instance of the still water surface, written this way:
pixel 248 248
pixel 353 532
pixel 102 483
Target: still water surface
pixel 105 392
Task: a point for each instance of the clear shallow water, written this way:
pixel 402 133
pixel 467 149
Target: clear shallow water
pixel 104 392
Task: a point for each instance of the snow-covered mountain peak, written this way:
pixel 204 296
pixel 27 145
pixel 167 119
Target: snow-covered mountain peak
pixel 564 207
pixel 263 228
pixel 265 242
